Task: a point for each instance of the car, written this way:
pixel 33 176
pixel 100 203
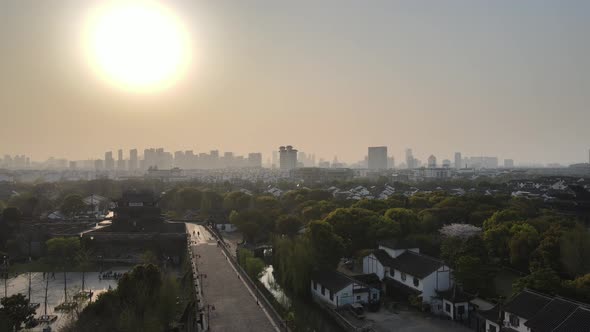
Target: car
pixel 357 310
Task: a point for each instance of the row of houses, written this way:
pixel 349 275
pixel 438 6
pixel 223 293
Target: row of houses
pixel 530 311
pixel 398 271
pixel 395 270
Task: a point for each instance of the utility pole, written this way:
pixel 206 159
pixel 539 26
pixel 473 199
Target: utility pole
pixel 5 276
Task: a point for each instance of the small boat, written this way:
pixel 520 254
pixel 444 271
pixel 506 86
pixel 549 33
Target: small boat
pixel 47 319
pixel 34 306
pixel 66 306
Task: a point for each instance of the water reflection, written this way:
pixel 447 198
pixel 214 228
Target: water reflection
pixel 309 317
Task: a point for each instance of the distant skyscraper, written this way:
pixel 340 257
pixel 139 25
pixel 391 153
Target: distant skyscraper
pixel 98 165
pixel 377 157
pixel 391 162
pixel 458 160
pixel 133 160
pixel 508 163
pixel 446 163
pixel 109 162
pixel 432 161
pixel 255 159
pixel 120 161
pixel 410 160
pixel 287 157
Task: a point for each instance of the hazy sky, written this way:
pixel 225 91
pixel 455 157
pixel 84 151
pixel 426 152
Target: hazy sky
pixel 506 78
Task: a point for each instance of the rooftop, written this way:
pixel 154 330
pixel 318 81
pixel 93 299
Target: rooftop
pixel 332 280
pixel 526 304
pixel 551 315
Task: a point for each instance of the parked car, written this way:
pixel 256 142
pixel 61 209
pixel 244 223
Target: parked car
pixel 357 310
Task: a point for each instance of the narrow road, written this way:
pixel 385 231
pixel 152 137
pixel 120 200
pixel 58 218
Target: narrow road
pixel 229 303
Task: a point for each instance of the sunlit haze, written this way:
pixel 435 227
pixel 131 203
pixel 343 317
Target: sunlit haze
pixel 503 78
pixel 137 44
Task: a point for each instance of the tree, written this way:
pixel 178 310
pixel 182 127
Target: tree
pixel 473 274
pixel 524 239
pixel 407 219
pixel 574 251
pixel 236 201
pixel 543 280
pixel 252 224
pixel 327 246
pixel 62 252
pixel 375 205
pixel 289 225
pixel 188 198
pixel 9 224
pixel 16 310
pixel 72 205
pixel 547 254
pixel 578 288
pixel 252 265
pixel 353 226
pixel 496 240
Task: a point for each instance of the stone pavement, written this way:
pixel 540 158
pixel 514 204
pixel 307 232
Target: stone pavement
pixel 235 305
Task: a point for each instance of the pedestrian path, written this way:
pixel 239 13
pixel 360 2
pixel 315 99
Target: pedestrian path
pixel 229 303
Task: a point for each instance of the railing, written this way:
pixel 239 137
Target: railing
pixel 198 291
pixel 276 317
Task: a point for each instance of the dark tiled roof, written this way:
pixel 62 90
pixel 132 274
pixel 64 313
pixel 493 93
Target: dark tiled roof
pixel 383 257
pixel 455 295
pixel 370 279
pixel 578 321
pixel 526 304
pixel 415 264
pixel 393 244
pixel 551 315
pixel 492 315
pixel 332 280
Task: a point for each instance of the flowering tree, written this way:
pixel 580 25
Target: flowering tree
pixel 463 231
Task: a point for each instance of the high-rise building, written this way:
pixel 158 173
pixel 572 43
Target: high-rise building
pixel 98 165
pixel 255 159
pixel 410 160
pixel 458 160
pixel 431 161
pixel 109 162
pixel 377 157
pixel 120 160
pixel 391 162
pixel 287 157
pixel 133 160
pixel 446 163
pixel 508 163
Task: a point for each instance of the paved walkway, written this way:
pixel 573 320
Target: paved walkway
pixel 235 305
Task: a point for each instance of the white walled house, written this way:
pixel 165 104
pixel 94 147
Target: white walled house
pixel 530 311
pixel 453 303
pixel 226 226
pixel 409 271
pixel 523 307
pixel 337 289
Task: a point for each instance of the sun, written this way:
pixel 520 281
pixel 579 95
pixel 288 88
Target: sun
pixel 137 45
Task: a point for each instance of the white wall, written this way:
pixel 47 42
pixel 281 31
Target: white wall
pixel 228 227
pixel 397 276
pixel 455 309
pixel 521 327
pixel 342 297
pixel 431 283
pixel 489 323
pixel 372 265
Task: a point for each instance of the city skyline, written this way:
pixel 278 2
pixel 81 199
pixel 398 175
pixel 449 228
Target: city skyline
pixel 438 78
pixel 132 159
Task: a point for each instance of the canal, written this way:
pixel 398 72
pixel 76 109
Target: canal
pixel 309 317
